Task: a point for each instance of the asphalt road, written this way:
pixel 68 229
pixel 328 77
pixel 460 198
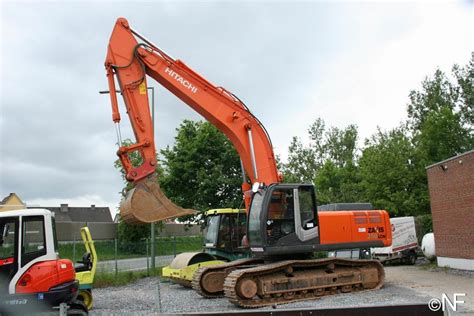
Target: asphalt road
pixel 132 264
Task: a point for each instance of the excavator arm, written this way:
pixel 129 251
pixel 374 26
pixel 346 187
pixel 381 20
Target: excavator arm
pixel 130 62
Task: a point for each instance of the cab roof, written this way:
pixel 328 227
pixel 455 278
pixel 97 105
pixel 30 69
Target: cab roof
pixel 27 212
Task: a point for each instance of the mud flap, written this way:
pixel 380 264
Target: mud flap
pixel 146 203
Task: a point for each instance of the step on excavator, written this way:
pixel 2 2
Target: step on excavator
pixel 284 228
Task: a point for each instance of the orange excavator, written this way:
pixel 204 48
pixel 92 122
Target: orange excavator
pixel 284 227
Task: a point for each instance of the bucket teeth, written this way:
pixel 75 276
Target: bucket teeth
pixel 146 203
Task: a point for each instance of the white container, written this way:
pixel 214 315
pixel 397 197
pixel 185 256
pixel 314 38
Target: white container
pixel 428 246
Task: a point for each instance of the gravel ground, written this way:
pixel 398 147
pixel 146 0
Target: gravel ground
pixel 401 287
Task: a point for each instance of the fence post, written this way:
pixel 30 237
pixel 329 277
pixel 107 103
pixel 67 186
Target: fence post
pixel 74 246
pixel 153 252
pixel 174 246
pixel 159 294
pixel 115 256
pixel 147 261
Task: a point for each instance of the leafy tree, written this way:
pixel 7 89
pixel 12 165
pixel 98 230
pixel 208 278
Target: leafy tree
pixel 440 116
pixel 387 173
pixel 304 161
pixel 132 237
pixel 391 170
pixel 440 121
pixel 202 169
pixel 329 161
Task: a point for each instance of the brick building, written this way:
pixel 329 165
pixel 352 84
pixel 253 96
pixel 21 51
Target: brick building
pixel 451 187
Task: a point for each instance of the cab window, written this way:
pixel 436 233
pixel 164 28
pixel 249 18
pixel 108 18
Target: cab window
pixel 33 241
pixel 307 207
pixel 7 241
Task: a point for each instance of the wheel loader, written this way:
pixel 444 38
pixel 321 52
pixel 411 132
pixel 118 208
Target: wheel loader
pixel 284 227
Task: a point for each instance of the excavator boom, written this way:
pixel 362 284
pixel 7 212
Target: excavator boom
pixel 130 62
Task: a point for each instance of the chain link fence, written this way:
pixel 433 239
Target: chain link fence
pixel 119 256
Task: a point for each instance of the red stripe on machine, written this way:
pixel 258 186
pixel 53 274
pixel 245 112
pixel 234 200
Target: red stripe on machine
pixel 4 262
pixel 405 247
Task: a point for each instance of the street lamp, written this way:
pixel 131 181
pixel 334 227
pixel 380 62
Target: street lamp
pixel 152 225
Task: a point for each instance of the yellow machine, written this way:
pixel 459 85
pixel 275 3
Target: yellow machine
pixel 85 271
pixel 225 229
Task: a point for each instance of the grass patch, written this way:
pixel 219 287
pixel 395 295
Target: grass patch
pixel 429 266
pixel 103 279
pixel 106 249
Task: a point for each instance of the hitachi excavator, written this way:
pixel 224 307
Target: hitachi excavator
pixel 284 228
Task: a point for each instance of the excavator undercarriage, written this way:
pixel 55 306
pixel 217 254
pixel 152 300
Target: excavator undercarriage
pixel 249 283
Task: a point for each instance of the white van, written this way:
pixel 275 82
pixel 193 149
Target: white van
pixel 404 245
pixel 404 242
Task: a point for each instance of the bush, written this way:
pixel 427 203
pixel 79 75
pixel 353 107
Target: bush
pixel 424 225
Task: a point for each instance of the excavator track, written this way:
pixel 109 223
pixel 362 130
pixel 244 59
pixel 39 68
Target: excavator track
pixel 209 281
pixel 297 280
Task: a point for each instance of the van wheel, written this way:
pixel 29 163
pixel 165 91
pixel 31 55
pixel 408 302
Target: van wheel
pixel 411 258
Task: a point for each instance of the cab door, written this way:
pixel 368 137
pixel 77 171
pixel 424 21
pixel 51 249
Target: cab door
pixel 306 219
pixel 8 251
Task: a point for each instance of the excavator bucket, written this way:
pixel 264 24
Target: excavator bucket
pixel 146 203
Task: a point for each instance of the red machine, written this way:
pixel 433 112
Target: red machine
pixel 283 221
pixel 32 277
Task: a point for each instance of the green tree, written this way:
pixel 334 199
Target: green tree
pixel 329 161
pixel 202 169
pixel 440 121
pixel 440 115
pixel 303 161
pixel 387 172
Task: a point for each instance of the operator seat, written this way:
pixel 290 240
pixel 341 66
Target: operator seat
pixel 85 264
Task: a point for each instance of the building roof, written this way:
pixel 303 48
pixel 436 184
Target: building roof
pixel 454 157
pixel 66 213
pixel 11 197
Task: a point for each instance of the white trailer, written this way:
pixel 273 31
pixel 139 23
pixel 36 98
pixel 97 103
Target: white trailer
pixel 404 242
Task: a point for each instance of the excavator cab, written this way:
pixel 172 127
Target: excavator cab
pixel 283 219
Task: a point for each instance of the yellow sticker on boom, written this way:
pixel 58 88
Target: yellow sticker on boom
pixel 142 88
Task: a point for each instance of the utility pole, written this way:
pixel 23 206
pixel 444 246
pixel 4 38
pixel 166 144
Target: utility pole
pixel 152 225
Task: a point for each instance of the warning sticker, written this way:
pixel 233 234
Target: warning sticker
pixel 142 88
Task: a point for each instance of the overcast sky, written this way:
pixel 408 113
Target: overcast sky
pixel 290 62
